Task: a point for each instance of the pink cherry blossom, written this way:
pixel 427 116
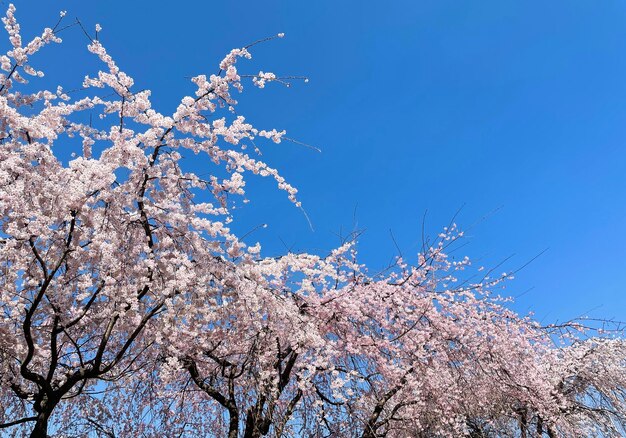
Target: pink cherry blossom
pixel 130 308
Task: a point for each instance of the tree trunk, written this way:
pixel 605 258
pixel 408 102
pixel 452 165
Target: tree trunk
pixel 250 429
pixel 41 426
pixel 44 408
pixel 523 424
pixel 233 424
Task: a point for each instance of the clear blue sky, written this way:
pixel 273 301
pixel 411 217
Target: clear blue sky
pixel 417 105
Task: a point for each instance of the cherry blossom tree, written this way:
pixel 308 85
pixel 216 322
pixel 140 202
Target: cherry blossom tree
pixel 95 250
pixel 130 308
pixel 316 347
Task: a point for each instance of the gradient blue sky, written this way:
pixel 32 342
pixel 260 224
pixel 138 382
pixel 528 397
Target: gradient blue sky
pixel 417 105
